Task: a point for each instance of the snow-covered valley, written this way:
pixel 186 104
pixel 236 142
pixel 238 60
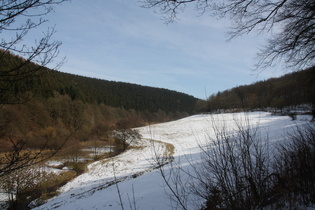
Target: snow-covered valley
pixel 140 184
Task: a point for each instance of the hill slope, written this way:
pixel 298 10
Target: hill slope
pixel 18 77
pixel 115 94
pixel 289 90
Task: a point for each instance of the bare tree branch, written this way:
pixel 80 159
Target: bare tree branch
pixel 21 17
pixel 290 22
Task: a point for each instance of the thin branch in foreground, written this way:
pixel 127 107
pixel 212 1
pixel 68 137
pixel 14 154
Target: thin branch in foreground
pixel 117 187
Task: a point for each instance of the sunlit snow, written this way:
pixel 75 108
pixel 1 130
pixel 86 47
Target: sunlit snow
pixel 141 183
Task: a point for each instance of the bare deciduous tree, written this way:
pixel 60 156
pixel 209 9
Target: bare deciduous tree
pixel 296 164
pixel 240 168
pixel 17 19
pixel 21 156
pixel 125 137
pixel 19 185
pixel 292 23
pixel 235 172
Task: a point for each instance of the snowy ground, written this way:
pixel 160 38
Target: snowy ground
pixel 139 182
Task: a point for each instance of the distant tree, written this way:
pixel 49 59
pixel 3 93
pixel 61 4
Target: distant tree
pixel 290 21
pixel 124 135
pixel 288 91
pixel 17 19
pixel 202 106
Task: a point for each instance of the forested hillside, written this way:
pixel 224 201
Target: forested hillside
pixel 39 104
pixel 47 83
pixel 115 94
pixel 289 90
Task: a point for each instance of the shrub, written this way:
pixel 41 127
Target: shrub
pixel 241 170
pixel 235 172
pixel 21 185
pixel 238 171
pixel 296 165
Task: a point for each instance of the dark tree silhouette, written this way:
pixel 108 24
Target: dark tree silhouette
pixel 291 22
pixel 17 19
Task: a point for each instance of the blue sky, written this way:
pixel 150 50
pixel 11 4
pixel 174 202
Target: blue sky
pixel 120 41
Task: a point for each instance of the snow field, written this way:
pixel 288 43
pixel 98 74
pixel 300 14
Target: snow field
pixel 134 168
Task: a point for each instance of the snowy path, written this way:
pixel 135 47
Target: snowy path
pixel 94 189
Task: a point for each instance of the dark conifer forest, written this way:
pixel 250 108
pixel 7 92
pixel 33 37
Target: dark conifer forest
pixel 115 94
